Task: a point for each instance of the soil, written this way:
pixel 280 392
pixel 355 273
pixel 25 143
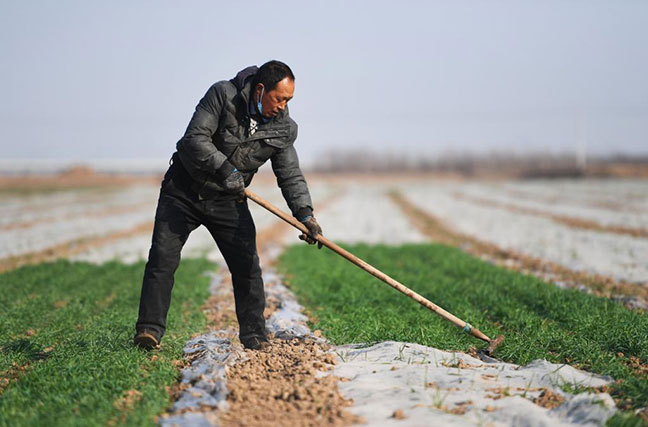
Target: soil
pixel 549 399
pixel 640 369
pixel 399 414
pixel 284 384
pixel 17 370
pixel 12 374
pixel 219 307
pixel 128 400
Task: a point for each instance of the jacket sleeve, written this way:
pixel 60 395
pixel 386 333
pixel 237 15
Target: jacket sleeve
pixel 198 154
pixel 285 165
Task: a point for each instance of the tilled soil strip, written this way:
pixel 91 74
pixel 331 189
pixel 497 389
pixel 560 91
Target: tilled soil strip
pixel 630 294
pixel 283 385
pixel 286 384
pixel 569 221
pixel 71 247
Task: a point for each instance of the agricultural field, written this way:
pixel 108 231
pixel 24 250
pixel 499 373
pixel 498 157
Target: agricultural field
pixel 559 267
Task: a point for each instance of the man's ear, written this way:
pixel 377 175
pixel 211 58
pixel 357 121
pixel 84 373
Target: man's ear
pixel 258 90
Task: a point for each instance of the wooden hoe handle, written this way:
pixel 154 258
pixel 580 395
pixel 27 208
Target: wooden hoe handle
pixel 370 269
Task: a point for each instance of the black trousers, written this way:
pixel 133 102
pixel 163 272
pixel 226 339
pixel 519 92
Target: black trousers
pixel 179 212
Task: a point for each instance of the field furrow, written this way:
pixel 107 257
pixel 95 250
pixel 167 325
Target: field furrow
pixel 620 256
pixel 620 214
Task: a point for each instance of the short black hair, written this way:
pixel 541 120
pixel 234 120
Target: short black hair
pixel 271 73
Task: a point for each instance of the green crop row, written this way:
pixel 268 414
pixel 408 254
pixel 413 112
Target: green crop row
pixel 539 321
pixel 66 338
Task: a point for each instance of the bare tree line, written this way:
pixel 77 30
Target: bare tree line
pixel 531 165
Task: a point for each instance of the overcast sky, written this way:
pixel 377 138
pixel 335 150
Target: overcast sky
pixel 89 80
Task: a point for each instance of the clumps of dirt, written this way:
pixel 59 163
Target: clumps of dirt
pixel 175 390
pixel 546 398
pixel 600 285
pixel 124 405
pixel 221 316
pixel 219 310
pixel 634 363
pixel 281 386
pixel 460 364
pixel 128 400
pixel 472 351
pixel 12 374
pixel 461 407
pixel 272 304
pixel 61 303
pixel 549 399
pixel 16 370
pixel 497 393
pixel 638 367
pixel 399 414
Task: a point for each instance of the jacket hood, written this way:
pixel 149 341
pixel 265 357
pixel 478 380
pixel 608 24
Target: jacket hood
pixel 243 76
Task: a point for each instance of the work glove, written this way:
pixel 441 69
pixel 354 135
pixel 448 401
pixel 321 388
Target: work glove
pixel 313 230
pixel 234 183
pixel 232 180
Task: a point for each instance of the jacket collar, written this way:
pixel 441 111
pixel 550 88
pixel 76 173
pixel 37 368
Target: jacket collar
pixel 252 107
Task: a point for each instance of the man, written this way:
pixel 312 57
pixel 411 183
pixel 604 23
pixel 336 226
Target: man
pixel 237 126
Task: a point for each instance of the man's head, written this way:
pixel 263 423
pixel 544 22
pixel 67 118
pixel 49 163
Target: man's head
pixel 273 86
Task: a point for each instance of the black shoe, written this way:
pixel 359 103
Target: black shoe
pixel 256 343
pixel 147 340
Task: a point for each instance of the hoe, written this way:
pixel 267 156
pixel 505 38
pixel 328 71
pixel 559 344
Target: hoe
pixel 467 327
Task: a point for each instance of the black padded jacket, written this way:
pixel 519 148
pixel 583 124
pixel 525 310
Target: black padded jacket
pixel 218 139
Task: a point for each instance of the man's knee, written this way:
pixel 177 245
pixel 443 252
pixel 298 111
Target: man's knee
pixel 165 253
pixel 246 265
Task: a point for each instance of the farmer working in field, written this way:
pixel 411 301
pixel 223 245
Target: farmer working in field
pixel 237 126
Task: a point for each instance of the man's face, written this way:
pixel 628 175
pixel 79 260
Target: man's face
pixel 275 100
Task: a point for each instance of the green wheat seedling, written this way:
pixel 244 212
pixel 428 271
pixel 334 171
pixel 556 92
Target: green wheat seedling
pixel 69 327
pixel 540 321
